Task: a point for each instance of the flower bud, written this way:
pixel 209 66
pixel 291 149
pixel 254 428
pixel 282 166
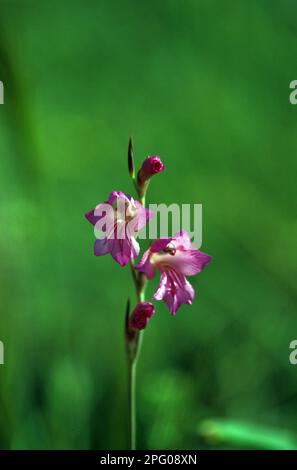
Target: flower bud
pixel 151 166
pixel 130 159
pixel 141 315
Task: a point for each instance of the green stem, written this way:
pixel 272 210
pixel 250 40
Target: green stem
pixel 133 355
pixel 132 364
pixel 132 404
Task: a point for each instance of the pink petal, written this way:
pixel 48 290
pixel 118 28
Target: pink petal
pixel 123 250
pixel 135 248
pixel 119 254
pixel 160 244
pixel 91 217
pixel 188 262
pixel 175 290
pixel 161 290
pixel 183 241
pixel 114 195
pixel 145 266
pixel 184 295
pixel 142 217
pixel 101 247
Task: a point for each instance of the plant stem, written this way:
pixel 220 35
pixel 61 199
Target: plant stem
pixel 132 404
pixel 133 354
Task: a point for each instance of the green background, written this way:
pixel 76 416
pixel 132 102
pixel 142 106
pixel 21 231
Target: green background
pixel 204 84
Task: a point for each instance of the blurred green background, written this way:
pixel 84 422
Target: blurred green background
pixel 204 84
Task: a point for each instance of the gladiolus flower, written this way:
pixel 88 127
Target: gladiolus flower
pixel 175 258
pixel 118 220
pixel 141 315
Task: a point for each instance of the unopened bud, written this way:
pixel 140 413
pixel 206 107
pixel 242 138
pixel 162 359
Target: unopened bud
pixel 151 166
pixel 141 315
pixel 130 159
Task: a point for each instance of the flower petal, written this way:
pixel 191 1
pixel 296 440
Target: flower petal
pixel 188 262
pixel 161 290
pixel 135 248
pixel 91 217
pixel 101 247
pixel 123 250
pixel 115 195
pixel 101 210
pixel 142 217
pixel 145 266
pixel 175 290
pixel 160 244
pixel 183 241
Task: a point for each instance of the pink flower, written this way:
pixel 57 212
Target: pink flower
pixel 117 222
pixel 141 315
pixel 151 166
pixel 175 258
